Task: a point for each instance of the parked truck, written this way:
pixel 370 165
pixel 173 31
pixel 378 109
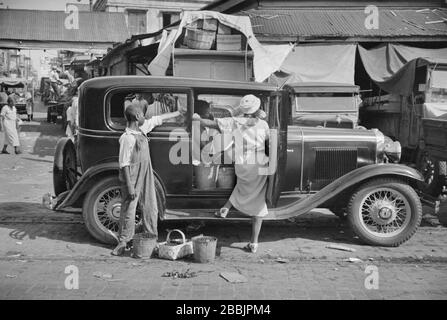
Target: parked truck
pixel 414 121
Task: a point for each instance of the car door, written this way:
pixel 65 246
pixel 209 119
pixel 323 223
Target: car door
pixel 277 118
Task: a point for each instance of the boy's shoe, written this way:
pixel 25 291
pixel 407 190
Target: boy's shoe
pixel 5 152
pixel 119 249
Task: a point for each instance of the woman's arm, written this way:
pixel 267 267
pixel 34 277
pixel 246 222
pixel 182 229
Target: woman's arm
pixel 206 122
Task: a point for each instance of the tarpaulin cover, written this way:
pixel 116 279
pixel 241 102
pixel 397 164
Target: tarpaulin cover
pixel 265 61
pixel 318 63
pixel 392 66
pixel 11 82
pixel 435 110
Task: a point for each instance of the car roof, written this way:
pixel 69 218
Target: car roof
pixel 323 87
pixel 168 81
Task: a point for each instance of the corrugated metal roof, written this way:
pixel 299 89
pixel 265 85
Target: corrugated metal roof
pixel 50 26
pixel 346 23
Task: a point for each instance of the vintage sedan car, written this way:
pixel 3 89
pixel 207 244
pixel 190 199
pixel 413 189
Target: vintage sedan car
pixel 315 167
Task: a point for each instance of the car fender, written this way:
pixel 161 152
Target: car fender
pixel 341 184
pixel 90 177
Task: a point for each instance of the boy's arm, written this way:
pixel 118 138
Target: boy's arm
pixel 130 188
pixel 169 115
pixel 154 121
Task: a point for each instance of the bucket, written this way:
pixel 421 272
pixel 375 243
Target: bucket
pixel 226 178
pixel 205 176
pixel 143 245
pixel 204 249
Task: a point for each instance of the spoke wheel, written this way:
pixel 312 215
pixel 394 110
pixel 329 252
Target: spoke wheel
pixel 385 212
pixel 108 209
pixel 102 208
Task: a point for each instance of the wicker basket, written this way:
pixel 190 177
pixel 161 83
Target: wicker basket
pixel 173 250
pixel 200 39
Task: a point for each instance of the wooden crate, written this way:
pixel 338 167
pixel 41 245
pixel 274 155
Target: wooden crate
pixel 229 42
pixel 223 29
pixel 200 39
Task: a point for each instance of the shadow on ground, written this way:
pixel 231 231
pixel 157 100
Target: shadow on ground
pixel 45 143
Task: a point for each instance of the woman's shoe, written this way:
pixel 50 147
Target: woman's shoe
pixel 222 213
pixel 251 247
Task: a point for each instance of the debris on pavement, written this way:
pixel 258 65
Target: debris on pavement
pixel 180 275
pixel 13 254
pixel 233 277
pixel 353 260
pixel 19 242
pixel 101 275
pixel 282 260
pixel 11 276
pixel 339 247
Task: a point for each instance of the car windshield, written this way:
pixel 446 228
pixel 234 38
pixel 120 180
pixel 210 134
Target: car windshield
pixel 324 102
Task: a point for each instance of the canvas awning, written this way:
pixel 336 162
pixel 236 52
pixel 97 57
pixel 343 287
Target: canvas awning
pixel 392 67
pixel 318 63
pixel 13 82
pixel 265 62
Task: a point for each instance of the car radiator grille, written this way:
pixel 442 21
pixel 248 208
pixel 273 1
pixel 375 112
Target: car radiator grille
pixel 332 163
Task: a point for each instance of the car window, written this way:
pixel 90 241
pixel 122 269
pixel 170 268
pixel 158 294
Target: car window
pixel 151 102
pixel 225 105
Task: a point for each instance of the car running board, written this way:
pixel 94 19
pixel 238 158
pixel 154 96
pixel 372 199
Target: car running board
pixel 202 214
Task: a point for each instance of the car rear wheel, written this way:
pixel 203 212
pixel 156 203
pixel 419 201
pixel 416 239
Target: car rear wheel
pixel 102 208
pixel 385 212
pixel 65 173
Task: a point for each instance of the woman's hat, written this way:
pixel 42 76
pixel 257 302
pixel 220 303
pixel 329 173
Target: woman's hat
pixel 250 104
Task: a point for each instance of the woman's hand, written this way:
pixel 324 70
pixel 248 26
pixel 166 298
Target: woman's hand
pixel 196 116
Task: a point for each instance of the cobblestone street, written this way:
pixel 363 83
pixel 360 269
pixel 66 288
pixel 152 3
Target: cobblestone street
pixel 38 244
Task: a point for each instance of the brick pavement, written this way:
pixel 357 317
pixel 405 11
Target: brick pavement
pixel 142 280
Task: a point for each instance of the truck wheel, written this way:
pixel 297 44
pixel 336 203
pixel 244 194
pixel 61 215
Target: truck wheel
pixel 102 207
pixel 64 166
pixel 442 214
pixel 385 212
pixel 434 173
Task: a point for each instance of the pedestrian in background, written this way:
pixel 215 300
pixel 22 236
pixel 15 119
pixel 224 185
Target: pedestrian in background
pixel 72 117
pixel 10 124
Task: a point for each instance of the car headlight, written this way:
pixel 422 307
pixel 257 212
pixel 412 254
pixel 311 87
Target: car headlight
pixel 380 145
pixel 393 150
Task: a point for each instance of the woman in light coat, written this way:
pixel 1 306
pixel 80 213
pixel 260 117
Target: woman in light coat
pixel 10 123
pixel 250 133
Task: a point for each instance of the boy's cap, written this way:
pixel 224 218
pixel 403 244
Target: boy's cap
pixel 250 104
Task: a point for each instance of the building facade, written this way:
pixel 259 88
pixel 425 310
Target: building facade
pixel 146 16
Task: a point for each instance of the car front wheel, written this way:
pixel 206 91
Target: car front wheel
pixel 385 212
